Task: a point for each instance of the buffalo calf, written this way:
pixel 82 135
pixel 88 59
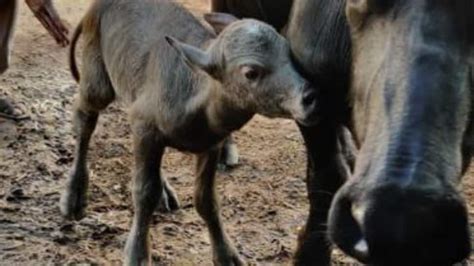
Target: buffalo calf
pixel 188 94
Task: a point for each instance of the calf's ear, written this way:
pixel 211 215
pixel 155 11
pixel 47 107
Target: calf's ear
pixel 219 21
pixel 193 56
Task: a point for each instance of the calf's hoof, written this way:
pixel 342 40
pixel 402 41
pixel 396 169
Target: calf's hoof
pixel 137 259
pixel 136 252
pixel 228 258
pixel 73 200
pixel 72 206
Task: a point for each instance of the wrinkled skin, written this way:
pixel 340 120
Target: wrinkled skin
pixel 412 95
pixel 189 94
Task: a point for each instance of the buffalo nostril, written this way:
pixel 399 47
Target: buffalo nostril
pixel 361 250
pixel 309 97
pixel 361 247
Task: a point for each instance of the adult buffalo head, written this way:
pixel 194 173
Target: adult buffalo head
pixel 412 97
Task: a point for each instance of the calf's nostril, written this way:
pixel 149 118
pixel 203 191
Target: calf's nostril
pixel 309 98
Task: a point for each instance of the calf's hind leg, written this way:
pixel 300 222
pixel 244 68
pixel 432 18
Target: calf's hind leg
pixel 208 208
pixel 73 199
pixel 95 94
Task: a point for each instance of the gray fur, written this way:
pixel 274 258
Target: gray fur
pixel 185 88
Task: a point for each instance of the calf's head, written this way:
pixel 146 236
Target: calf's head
pixel 412 96
pixel 251 65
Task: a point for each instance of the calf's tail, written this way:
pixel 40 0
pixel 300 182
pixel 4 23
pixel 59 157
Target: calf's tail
pixel 72 51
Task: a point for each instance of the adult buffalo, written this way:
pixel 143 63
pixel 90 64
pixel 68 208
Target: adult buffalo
pixel 274 12
pixel 412 97
pixel 405 93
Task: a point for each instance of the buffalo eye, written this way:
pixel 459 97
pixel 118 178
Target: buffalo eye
pixel 252 72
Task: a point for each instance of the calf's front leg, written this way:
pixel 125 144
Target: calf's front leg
pixel 147 191
pixel 208 208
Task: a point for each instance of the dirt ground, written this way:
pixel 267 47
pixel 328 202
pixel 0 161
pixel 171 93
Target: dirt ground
pixel 263 200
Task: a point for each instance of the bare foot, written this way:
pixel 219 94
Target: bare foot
pixel 8 112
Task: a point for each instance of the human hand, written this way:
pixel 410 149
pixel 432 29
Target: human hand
pixel 46 13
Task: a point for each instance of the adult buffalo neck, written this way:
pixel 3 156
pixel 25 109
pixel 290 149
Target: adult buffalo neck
pixel 321 46
pixel 319 36
pixel 320 39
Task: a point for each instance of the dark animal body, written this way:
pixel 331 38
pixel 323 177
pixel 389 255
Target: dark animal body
pixel 321 46
pixel 320 42
pixel 274 12
pixel 189 95
pixel 398 75
pixel 412 119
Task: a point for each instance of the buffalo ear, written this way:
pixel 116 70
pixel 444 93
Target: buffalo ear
pixel 193 56
pixel 219 21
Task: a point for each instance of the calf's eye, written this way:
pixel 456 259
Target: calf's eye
pixel 251 73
